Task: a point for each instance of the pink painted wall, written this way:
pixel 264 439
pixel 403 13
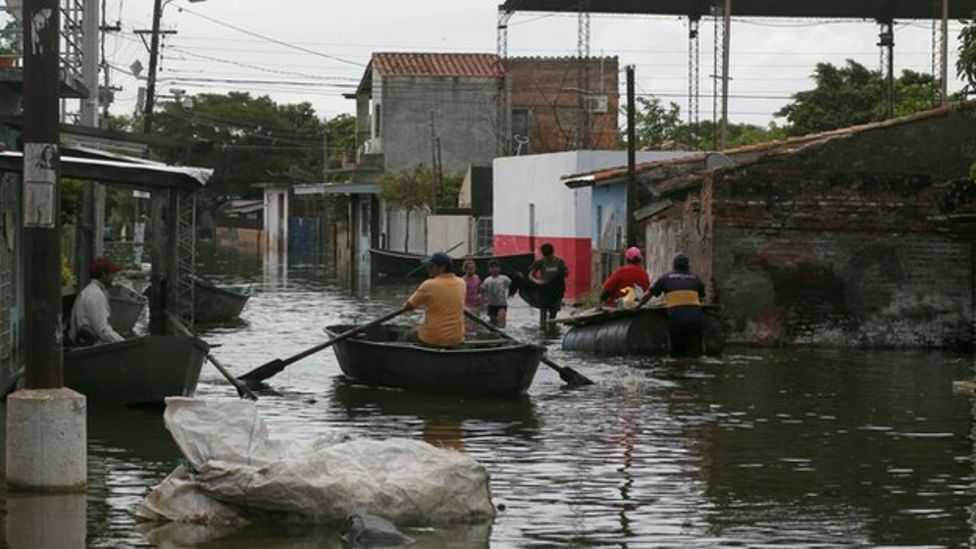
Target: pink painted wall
pixel 576 252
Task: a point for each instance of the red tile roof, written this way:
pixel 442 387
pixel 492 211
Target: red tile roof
pixel 479 65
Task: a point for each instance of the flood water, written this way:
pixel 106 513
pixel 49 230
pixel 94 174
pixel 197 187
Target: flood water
pixel 763 447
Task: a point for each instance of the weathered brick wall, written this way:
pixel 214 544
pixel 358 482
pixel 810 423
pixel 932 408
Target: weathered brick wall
pixel 685 228
pixel 547 87
pixel 852 242
pixel 844 288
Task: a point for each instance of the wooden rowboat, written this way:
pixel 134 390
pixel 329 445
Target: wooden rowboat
pixel 397 265
pixel 637 331
pixel 212 304
pixel 476 368
pixel 141 370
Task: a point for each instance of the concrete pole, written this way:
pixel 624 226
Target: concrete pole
pixel 88 231
pixel 726 43
pixel 433 164
pixel 46 422
pixel 944 53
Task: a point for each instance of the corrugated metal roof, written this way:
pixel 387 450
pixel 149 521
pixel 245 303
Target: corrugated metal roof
pixel 478 65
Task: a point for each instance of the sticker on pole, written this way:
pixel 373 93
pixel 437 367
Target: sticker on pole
pixel 40 184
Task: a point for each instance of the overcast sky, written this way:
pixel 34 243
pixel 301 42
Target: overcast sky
pixel 332 41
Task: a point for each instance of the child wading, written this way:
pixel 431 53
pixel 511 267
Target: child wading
pixel 472 296
pixel 494 291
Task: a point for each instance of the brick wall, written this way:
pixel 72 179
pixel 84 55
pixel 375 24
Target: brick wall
pixel 853 242
pixel 548 89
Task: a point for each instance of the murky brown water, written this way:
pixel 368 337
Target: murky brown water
pixel 764 447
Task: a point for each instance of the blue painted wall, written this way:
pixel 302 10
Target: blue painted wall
pixel 609 204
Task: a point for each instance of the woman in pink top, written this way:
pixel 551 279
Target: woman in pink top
pixel 472 284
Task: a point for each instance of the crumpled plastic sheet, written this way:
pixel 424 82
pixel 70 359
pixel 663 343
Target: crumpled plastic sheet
pixel 235 469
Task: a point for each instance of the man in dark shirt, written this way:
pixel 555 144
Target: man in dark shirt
pixel 683 295
pixel 550 271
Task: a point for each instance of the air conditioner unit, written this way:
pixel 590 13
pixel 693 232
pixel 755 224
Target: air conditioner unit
pixel 596 103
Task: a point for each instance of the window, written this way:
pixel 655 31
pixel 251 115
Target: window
pixel 485 236
pixel 520 132
pixel 377 120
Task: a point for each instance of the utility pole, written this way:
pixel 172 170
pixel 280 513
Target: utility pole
pixel 46 435
pixel 726 44
pixel 631 158
pixel 147 121
pixel 433 165
pixel 944 53
pixel 41 220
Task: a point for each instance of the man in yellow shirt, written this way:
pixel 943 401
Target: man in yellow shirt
pixel 442 295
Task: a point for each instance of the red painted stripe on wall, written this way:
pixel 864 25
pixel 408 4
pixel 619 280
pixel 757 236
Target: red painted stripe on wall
pixel 576 252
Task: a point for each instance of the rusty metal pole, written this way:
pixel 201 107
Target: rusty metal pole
pixel 41 250
pixel 631 157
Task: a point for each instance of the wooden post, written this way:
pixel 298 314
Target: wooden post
pixel 147 120
pixel 41 251
pixel 160 258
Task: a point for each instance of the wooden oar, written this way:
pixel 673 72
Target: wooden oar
pixel 242 390
pixel 269 369
pixel 567 374
pixel 421 266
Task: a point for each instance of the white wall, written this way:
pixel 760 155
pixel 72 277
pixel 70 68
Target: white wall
pixel 394 223
pixel 276 219
pixel 445 231
pixel 536 179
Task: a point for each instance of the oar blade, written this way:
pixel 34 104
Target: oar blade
pixel 574 378
pixel 263 372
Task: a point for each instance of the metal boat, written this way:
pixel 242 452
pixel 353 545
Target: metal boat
pixel 141 370
pixel 212 303
pixel 478 367
pixel 398 265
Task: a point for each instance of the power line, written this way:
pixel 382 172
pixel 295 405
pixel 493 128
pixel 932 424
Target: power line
pixel 269 38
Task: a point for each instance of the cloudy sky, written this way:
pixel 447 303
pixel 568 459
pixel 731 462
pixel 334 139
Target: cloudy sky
pixel 314 50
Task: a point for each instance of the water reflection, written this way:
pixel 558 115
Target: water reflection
pixel 46 521
pixel 445 420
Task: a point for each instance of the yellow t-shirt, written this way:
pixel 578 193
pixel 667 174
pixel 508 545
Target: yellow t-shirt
pixel 443 299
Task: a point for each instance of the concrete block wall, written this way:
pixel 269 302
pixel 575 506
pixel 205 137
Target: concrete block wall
pixel 465 119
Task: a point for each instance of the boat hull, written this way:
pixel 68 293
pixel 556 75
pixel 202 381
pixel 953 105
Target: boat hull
pixel 638 332
pixel 212 304
pixel 141 370
pixel 506 370
pixel 397 266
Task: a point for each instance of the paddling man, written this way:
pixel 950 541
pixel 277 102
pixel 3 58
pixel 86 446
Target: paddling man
pixel 442 297
pixel 89 316
pixel 631 276
pixel 683 296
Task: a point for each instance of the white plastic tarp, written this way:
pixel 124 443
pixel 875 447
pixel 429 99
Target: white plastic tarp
pixel 235 466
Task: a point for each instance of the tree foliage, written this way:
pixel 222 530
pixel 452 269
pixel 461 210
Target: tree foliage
pixel 851 95
pixel 966 64
pixel 660 127
pixel 341 132
pixel 247 139
pixel 411 189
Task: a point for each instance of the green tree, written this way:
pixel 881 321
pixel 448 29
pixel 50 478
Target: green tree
pixel 245 139
pixel 411 189
pixel 655 124
pixel 658 126
pixel 341 132
pixel 851 95
pixel 966 64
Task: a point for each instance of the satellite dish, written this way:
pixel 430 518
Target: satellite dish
pixel 136 68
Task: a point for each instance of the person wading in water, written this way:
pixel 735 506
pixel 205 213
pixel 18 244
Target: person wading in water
pixel 683 295
pixel 550 271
